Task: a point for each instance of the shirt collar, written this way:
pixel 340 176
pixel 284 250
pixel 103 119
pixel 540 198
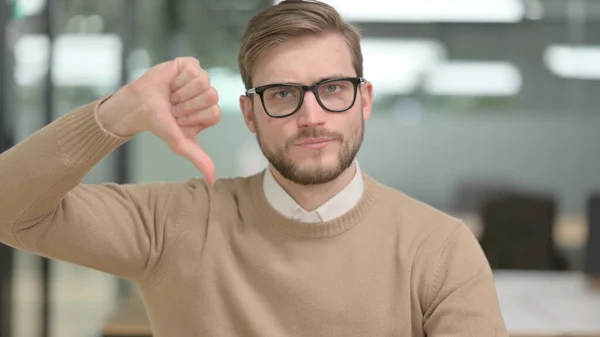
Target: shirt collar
pixel 338 205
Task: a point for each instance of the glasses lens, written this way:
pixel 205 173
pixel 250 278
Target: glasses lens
pixel 337 95
pixel 281 100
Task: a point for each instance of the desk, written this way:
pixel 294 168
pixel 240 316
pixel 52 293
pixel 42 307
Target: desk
pixel 548 303
pixel 534 304
pixel 570 230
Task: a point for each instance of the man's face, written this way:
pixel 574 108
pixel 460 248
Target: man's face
pixel 312 146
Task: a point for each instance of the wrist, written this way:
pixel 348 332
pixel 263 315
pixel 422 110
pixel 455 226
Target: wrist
pixel 117 114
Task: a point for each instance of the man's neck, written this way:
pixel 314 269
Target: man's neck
pixel 313 196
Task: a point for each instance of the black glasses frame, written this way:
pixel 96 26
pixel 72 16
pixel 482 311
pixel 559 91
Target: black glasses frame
pixel 356 81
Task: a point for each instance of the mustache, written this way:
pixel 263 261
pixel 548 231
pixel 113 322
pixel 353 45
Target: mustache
pixel 314 133
pixel 318 133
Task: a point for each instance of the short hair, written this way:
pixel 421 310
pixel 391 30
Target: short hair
pixel 290 19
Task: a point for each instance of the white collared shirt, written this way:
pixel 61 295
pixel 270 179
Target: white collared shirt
pixel 341 203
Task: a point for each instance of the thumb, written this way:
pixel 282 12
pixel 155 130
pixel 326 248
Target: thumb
pixel 192 151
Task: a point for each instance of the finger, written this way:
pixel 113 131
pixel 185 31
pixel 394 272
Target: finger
pixel 199 102
pixel 186 61
pixel 188 71
pixel 198 85
pixel 191 150
pixel 207 117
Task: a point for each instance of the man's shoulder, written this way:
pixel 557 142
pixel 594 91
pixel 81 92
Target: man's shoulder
pixel 225 189
pixel 223 185
pixel 237 185
pixel 414 216
pixel 196 187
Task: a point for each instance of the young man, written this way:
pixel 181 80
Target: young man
pixel 310 247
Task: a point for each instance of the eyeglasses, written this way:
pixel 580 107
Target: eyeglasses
pixel 283 100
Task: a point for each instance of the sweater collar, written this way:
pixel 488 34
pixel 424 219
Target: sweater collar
pixel 337 206
pixel 271 218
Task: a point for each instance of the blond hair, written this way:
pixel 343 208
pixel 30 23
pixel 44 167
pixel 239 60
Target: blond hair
pixel 289 19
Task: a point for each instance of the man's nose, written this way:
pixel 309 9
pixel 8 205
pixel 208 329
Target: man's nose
pixel 311 113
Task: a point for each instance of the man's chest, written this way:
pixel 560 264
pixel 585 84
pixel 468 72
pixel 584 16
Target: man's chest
pixel 291 292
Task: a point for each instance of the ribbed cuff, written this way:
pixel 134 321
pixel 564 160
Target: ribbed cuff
pixel 82 140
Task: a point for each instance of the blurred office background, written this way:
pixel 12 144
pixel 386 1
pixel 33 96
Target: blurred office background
pixel 488 110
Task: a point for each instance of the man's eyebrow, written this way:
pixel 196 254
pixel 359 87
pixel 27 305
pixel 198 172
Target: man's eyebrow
pixel 332 77
pixel 337 75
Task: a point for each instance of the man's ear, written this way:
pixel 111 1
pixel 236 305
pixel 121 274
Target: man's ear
pixel 366 92
pixel 246 107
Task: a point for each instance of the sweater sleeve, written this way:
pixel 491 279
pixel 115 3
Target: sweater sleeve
pixel 461 298
pixel 44 209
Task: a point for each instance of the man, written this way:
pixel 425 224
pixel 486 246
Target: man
pixel 310 247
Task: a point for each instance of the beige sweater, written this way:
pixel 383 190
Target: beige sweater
pixel 220 261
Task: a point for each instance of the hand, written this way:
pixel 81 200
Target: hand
pixel 174 101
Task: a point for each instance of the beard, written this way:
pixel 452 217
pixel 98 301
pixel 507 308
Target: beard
pixel 317 174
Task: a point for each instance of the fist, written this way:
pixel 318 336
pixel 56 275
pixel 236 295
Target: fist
pixel 177 102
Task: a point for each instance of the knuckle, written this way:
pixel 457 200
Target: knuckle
pixel 176 97
pixel 204 77
pixel 214 115
pixel 185 107
pixel 201 84
pixel 188 60
pixel 212 96
pixel 194 61
pixel 192 72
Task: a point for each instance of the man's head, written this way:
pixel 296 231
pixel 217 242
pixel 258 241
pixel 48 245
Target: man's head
pixel 310 136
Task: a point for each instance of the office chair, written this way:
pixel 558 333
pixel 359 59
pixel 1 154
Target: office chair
pixel 518 233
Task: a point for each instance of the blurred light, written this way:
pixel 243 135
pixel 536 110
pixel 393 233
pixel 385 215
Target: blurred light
pixel 430 10
pixel 75 24
pixel 31 59
pixel 79 60
pixel 93 60
pixel 466 78
pixel 581 62
pixel 29 7
pixel 229 85
pixel 94 24
pixel 534 10
pixel 396 66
